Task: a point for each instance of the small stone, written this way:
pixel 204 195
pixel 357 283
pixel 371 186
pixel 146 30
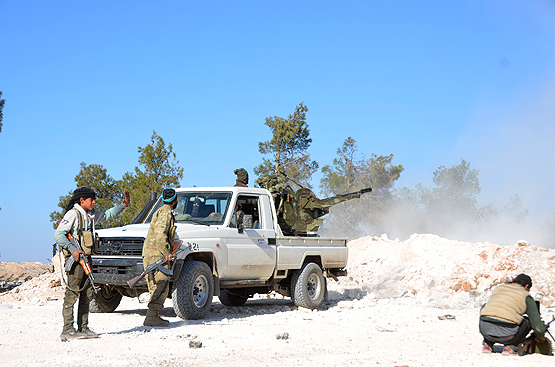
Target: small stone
pixel 195 344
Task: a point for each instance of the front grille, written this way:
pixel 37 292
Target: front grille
pixel 120 246
pixel 113 269
pixel 116 270
pixel 115 274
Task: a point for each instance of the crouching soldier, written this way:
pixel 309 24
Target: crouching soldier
pixel 159 244
pixel 79 222
pixel 502 318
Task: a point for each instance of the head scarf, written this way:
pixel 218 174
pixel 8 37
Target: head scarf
pixel 242 174
pixel 82 192
pixel 169 195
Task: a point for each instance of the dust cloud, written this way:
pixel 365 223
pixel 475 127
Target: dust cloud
pixel 513 149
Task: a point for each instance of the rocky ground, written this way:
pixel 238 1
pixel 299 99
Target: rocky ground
pixel 13 274
pixel 404 303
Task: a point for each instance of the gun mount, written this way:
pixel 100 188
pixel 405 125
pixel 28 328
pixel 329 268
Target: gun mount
pixel 299 211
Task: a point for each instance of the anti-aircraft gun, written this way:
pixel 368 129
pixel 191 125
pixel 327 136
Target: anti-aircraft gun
pixel 299 211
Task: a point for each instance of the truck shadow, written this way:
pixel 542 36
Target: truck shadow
pixel 219 313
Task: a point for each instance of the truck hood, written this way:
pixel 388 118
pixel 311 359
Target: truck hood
pixel 132 230
pixel 184 230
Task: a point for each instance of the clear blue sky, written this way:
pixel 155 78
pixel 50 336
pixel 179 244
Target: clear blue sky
pixel 428 81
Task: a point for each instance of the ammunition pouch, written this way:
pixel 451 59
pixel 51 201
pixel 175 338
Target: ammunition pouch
pixel 87 240
pixel 89 243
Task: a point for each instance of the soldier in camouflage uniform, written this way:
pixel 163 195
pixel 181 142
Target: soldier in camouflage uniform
pixel 158 244
pixel 242 177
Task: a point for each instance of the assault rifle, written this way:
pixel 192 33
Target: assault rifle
pixel 158 265
pixel 532 345
pixel 549 323
pixel 83 262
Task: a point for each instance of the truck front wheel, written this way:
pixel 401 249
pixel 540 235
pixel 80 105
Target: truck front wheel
pixel 106 300
pixel 308 286
pixel 193 291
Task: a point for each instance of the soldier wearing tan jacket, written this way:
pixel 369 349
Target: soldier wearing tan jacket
pixel 158 244
pixel 502 318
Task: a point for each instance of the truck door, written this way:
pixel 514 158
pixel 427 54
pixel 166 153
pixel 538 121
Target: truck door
pixel 251 253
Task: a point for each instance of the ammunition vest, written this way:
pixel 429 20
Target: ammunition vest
pixel 88 241
pixel 507 303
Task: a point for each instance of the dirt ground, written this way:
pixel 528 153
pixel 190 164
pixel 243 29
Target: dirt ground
pixel 263 332
pixel 404 303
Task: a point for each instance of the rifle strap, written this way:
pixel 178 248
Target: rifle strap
pixel 80 226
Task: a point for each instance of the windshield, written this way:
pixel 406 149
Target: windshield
pixel 198 207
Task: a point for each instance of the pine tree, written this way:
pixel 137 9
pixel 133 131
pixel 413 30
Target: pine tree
pixel 289 144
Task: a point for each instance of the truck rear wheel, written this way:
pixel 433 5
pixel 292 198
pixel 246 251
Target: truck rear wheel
pixel 308 286
pixel 105 301
pixel 193 291
pixel 228 299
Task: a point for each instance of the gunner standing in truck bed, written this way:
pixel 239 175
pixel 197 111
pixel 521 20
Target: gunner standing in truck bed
pixel 242 177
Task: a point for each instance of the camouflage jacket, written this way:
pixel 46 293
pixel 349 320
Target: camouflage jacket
pixel 159 240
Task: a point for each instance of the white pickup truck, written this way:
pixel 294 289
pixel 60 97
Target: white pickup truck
pixel 228 255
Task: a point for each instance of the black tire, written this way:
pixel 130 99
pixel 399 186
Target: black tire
pixel 308 286
pixel 193 291
pixel 105 301
pixel 228 299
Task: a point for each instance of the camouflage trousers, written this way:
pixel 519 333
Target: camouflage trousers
pixel 158 287
pixel 78 287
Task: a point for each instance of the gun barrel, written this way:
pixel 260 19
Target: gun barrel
pixel 95 288
pixel 356 193
pixel 334 200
